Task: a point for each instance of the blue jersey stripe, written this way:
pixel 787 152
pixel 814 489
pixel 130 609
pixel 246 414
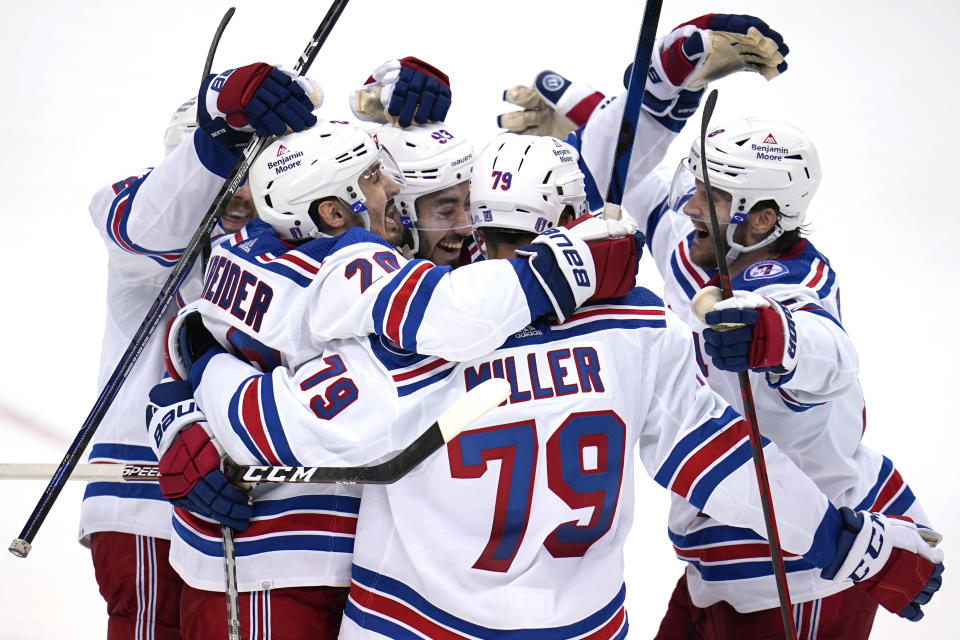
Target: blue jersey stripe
pixel 413 315
pixel 312 502
pixel 274 426
pixel 886 468
pixel 135 490
pixel 690 442
pixel 704 487
pixel 124 452
pixel 291 542
pixel 236 422
pixel 392 587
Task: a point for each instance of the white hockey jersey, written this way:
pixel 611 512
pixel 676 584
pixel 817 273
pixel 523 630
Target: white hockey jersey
pixel 145 221
pixel 516 529
pixel 816 415
pixel 279 305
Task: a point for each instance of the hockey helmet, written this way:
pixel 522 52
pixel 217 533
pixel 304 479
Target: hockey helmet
pixel 326 160
pixel 182 123
pixel 525 182
pixel 754 160
pixel 431 158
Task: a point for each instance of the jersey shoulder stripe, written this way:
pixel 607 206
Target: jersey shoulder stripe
pixel 380 603
pixel 116 225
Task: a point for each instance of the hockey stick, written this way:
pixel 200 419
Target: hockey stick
pixel 207 65
pixel 746 392
pixel 20 547
pixel 230 580
pixel 631 110
pixel 468 408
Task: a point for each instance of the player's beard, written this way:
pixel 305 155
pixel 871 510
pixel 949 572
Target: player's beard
pixel 703 252
pixel 392 229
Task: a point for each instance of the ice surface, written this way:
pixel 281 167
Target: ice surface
pixel 88 89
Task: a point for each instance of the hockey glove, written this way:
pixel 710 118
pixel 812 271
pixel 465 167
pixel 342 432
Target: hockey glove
pixel 892 560
pixel 750 331
pixel 616 246
pixel 403 91
pixel 563 265
pixel 188 341
pixel 190 478
pixel 257 97
pixel 553 106
pixel 707 48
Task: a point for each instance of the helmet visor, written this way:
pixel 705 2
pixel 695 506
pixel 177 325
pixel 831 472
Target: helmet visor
pixel 682 187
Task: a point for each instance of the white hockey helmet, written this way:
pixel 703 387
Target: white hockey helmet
pixel 431 158
pixel 525 182
pixel 182 123
pixel 326 160
pixel 755 160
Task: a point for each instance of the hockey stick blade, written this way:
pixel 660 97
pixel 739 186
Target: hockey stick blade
pixel 467 409
pixel 21 545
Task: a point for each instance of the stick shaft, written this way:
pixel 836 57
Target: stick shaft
pixel 746 394
pixel 634 101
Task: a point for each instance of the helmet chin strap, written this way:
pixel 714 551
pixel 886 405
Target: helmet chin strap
pixel 735 248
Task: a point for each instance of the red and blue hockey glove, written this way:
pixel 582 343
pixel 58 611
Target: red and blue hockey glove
pixel 750 331
pixel 553 106
pixel 616 245
pixel 191 478
pixel 189 343
pixel 190 475
pixel 258 97
pixel 889 558
pixel 402 92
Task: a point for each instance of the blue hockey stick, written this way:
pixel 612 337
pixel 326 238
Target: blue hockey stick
pixel 631 112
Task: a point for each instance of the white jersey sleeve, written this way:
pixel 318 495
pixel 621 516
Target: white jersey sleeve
pixel 291 301
pixel 147 219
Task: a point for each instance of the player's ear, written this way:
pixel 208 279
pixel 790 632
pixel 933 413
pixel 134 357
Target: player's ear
pixel 329 215
pixel 762 221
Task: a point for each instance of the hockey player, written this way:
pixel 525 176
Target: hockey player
pixel 536 549
pixel 803 365
pixel 145 220
pixel 434 202
pixel 277 297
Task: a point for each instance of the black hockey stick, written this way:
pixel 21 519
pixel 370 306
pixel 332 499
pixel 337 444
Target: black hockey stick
pixel 634 100
pixel 468 408
pixel 746 392
pixel 20 547
pixel 207 65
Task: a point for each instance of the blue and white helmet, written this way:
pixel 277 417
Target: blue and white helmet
pixel 326 160
pixel 432 158
pixel 525 182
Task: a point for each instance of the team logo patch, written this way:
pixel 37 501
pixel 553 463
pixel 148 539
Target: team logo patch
pixel 552 82
pixel 540 225
pixel 766 269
